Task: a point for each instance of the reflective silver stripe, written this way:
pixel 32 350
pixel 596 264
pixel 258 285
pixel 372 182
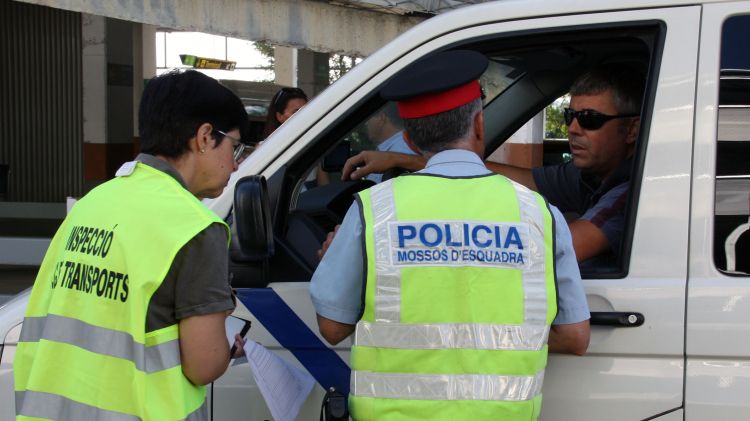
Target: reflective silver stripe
pixel 445 387
pixel 102 341
pixel 56 407
pixel 534 283
pixel 445 336
pixel 387 277
pixel 47 405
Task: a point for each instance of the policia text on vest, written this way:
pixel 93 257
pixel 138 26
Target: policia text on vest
pixel 90 278
pixel 459 243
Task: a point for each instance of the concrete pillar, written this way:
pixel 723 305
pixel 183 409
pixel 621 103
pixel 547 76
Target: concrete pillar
pixel 312 71
pixel 301 68
pixel 120 73
pixel 525 147
pixel 108 72
pixel 148 51
pixel 94 82
pixel 144 68
pixel 285 66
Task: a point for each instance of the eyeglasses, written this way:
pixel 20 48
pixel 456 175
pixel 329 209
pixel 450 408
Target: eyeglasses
pixel 297 92
pixel 590 119
pixel 237 146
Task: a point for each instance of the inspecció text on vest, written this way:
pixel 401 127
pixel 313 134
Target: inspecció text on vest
pixel 87 277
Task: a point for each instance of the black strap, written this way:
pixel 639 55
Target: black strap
pixel 334 406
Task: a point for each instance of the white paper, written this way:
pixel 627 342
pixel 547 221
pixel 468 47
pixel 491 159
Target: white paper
pixel 233 326
pixel 284 387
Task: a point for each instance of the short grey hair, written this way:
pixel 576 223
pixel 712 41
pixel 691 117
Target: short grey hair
pixel 437 132
pixel 626 84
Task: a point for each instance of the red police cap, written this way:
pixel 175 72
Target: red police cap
pixel 437 83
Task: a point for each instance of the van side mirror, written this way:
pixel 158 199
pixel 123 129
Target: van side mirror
pixel 335 159
pixel 252 219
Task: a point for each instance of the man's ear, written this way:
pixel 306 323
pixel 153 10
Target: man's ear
pixel 381 120
pixel 479 126
pixel 477 141
pixel 633 129
pixel 204 138
pixel 410 144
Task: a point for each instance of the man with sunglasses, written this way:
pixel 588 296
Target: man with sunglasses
pixel 603 124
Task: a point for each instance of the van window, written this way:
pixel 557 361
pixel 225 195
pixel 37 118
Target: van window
pixel 732 199
pixel 527 73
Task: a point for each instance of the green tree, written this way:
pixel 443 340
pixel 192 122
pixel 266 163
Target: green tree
pixel 266 49
pixel 339 64
pixel 554 122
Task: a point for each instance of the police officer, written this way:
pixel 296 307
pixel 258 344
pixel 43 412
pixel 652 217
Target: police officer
pixel 126 317
pixel 386 129
pixel 449 277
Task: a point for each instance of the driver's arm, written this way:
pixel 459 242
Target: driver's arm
pixel 588 239
pixel 600 229
pixel 518 174
pixel 369 162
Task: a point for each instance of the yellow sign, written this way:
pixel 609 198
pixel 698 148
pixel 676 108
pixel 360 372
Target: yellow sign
pixel 207 63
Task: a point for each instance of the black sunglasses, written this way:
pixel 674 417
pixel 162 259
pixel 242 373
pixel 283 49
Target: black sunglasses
pixel 297 92
pixel 590 119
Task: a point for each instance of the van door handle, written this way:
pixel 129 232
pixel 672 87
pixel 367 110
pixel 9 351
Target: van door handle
pixel 617 318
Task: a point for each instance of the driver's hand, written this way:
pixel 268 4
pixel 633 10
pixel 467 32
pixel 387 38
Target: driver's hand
pixel 327 242
pixel 368 162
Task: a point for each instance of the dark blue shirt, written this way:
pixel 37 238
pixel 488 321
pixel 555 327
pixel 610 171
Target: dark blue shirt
pixel 602 202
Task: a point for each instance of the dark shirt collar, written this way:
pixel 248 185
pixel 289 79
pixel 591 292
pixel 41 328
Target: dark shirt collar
pixel 162 166
pixel 598 186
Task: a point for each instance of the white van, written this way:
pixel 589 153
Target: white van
pixel 671 316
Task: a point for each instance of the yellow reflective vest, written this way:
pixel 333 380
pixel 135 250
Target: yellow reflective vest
pixel 84 352
pixel 459 298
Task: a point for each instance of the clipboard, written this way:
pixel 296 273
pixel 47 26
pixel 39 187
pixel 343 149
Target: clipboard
pixel 243 332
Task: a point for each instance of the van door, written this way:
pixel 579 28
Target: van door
pixel 718 344
pixel 629 372
pixel 637 372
